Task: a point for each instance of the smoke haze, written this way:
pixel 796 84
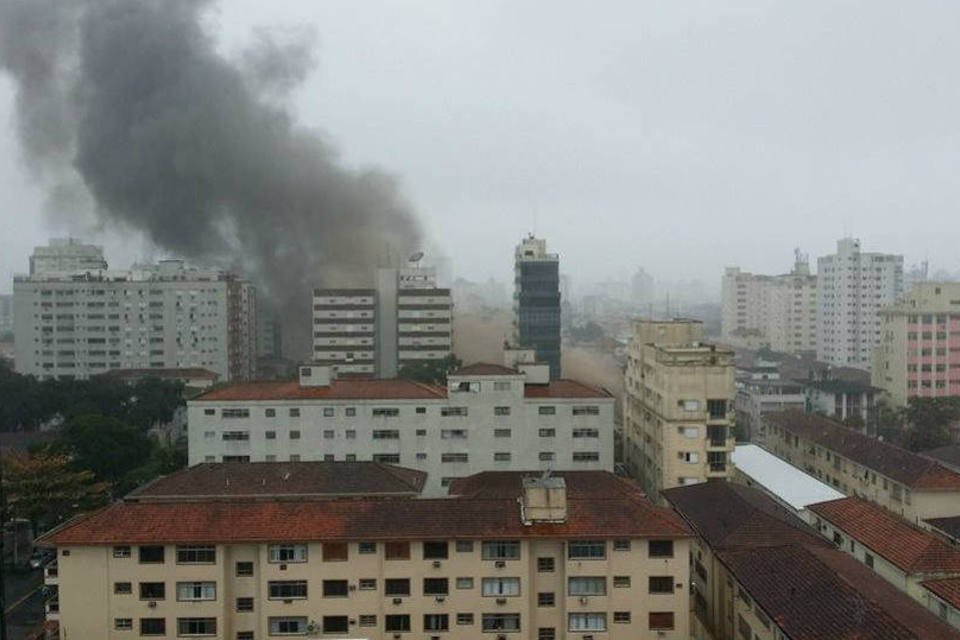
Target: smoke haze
pixel 198 152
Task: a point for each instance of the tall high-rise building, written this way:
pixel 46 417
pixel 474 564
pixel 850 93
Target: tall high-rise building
pixel 852 286
pixel 165 316
pixel 919 352
pixel 405 320
pixel 537 301
pixel 67 255
pixel 779 312
pixel 677 406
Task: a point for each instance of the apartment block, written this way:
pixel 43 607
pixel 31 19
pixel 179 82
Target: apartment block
pixel 580 555
pixel 919 351
pixel 67 255
pixel 903 482
pixel 779 312
pixel 489 417
pixel 6 313
pixel 405 320
pixel 678 406
pixel 163 316
pixel 909 558
pixel 536 301
pixel 760 572
pixel 852 287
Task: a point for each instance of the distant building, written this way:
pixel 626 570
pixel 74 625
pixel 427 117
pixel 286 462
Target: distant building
pixel 778 312
pixel 852 287
pixel 536 302
pixel 67 255
pixel 919 351
pixel 405 320
pixel 6 313
pixel 758 397
pixel 842 399
pixel 677 406
pixel 163 316
pixel 642 288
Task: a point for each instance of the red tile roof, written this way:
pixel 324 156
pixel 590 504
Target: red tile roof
pixel 486 369
pixel 947 589
pixel 349 389
pixel 595 514
pixel 283 480
pixel 820 593
pixel 907 547
pixel 564 388
pixel 911 469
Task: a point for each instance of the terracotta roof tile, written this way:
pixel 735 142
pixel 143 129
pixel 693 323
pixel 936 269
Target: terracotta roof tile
pixel 594 515
pixel 565 388
pixel 907 547
pixel 348 389
pixel 486 369
pixel 947 589
pixel 911 469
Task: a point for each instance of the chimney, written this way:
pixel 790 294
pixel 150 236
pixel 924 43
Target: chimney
pixel 544 500
pixel 312 375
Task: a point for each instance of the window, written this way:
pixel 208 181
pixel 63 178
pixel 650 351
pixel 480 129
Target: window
pixel 546 599
pixel 335 589
pixel 464 546
pixel 329 434
pixel 587 586
pixel 465 583
pixel 123 624
pixel 660 548
pixel 501 550
pixel 586 433
pixel 660 584
pixel 453 411
pixel 396 586
pixel 548 433
pixel 501 456
pixel 454 457
pixel 328 412
pixel 236 435
pixel 502 433
pixel 661 620
pixel 621 582
pixel 501 622
pixel 386 434
pixel 335 624
pixel 367 584
pixel 387 458
pixel 390 412
pixel 587 549
pixel 546 565
pixel 422 432
pixel 121 552
pixel 586 410
pixel 434 550
pixel 396 550
pixel 396 623
pixel 350 434
pixel 546 633
pixel 196 554
pixel 501 411
pixel 335 551
pixel 688 432
pixel 452 434
pixel 270 435
pixel 500 587
pixel 194 591
pixel 294 413
pixel 244 569
pixel 436 586
pixel 270 413
pixel 547 411
pixel 122 588
pixel 464 619
pixel 287 553
pixel 368 620
pixel 244 604
pixel 209 412
pixel 153 590
pixel 621 545
pixel 196 626
pixel 151 555
pixel 294 434
pixel 621 617
pixel 153 626
pixel 287 589
pixel 868 559
pixel 587 622
pixel 586 456
pixel 244 635
pixel 367 547
pixel 288 626
pixel 235 413
pixel 436 622
pixel 350 412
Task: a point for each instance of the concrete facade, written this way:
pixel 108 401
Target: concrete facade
pixel 536 301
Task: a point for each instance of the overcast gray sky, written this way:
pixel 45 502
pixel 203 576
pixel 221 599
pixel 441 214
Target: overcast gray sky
pixel 677 135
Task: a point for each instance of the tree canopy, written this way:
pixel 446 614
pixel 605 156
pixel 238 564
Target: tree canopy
pixel 431 371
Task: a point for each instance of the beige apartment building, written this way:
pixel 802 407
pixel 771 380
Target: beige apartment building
pixel 576 555
pixel 678 406
pixel 914 487
pixel 919 351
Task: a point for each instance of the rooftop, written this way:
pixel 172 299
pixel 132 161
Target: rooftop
pixel 848 387
pixel 282 480
pixel 947 589
pixel 907 547
pixel 787 483
pixel 950 526
pixel 948 455
pixel 906 467
pixel 486 369
pixel 594 511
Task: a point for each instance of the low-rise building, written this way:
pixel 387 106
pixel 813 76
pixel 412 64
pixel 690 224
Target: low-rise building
pixel 908 484
pixel 572 555
pixel 489 417
pixel 840 399
pixel 760 572
pixel 943 598
pixel 758 397
pixel 788 486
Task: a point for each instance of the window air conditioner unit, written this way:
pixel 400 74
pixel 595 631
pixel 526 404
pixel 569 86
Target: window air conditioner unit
pixel 499 564
pixel 397 600
pixel 441 598
pixel 353 621
pixel 283 567
pixel 436 564
pixel 501 637
pixel 152 604
pixel 587 637
pixel 584 600
pixel 501 601
pixel 287 601
pixel 396 635
pixel 434 637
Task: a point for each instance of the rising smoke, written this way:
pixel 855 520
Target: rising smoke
pixel 197 151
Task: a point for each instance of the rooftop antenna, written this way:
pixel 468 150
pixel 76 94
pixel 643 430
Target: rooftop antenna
pixel 415 259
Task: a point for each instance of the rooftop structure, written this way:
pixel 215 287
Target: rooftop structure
pixel 948 527
pixel 757 467
pixel 948 456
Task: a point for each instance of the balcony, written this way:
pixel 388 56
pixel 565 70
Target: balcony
pixel 51 574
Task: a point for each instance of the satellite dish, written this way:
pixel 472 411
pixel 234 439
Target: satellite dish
pixel 416 257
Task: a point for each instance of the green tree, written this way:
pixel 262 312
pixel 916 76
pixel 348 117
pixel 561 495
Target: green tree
pixel 929 421
pixel 107 446
pixel 431 371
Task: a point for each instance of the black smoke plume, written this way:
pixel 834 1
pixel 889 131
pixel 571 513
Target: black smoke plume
pixel 195 150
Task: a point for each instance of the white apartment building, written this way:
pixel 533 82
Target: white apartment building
pixel 67 255
pixel 489 418
pixel 406 319
pixel 164 316
pixel 852 286
pixel 775 311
